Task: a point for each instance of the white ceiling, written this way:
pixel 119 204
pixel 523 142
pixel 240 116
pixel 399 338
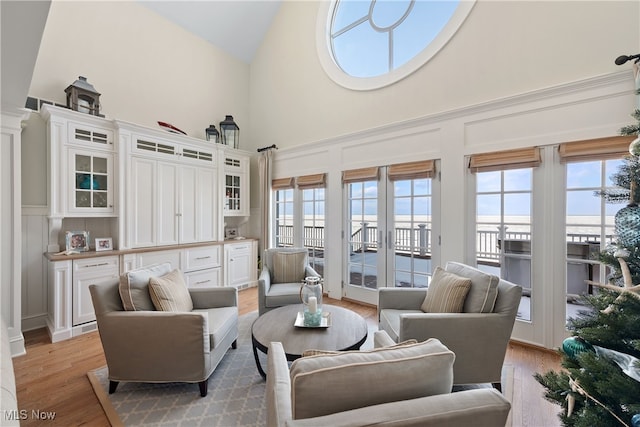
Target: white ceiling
pixel 235 26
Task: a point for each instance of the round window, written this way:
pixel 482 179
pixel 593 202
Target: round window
pixel 370 44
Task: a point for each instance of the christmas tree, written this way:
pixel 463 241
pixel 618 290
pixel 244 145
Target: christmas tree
pixel 600 382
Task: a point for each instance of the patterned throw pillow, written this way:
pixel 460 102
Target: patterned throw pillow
pixel 170 293
pixel 446 293
pixel 289 267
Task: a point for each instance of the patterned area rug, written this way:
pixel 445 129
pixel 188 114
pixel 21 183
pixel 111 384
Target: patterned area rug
pixel 236 394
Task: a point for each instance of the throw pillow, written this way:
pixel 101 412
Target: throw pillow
pixel 134 286
pixel 289 267
pixel 446 293
pixel 170 293
pixel 323 385
pixel 484 288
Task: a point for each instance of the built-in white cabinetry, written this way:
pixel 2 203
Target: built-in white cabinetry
pixel 164 195
pixel 171 192
pixel 81 151
pixel 91 271
pixel 240 263
pixel 202 266
pixel 70 307
pixel 235 183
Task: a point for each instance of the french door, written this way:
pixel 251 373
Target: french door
pixel 389 229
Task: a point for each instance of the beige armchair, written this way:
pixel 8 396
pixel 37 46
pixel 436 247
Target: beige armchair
pixel 165 346
pixel 478 339
pixel 283 270
pixel 378 387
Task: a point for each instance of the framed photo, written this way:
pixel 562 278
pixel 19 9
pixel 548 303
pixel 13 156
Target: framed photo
pixel 230 233
pixel 77 241
pixel 104 244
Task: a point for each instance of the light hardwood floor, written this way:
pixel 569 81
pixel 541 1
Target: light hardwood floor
pixel 52 377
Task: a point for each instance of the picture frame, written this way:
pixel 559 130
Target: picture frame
pixel 104 244
pixel 230 233
pixel 77 241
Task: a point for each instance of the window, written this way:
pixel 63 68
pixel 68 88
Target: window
pixel 299 215
pixel 369 44
pixel 504 211
pixel 590 221
pixel 283 212
pixel 313 211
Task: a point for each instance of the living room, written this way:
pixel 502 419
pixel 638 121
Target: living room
pixel 515 75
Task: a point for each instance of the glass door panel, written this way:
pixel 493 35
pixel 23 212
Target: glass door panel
pixel 362 235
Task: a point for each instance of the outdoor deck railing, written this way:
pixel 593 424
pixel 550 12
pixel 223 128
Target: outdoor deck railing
pixel 419 240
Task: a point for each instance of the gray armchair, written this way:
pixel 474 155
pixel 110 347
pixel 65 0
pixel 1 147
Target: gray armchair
pixel 479 340
pixel 283 270
pixel 164 346
pixel 378 387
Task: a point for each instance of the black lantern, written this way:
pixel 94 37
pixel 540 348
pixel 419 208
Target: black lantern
pixel 83 97
pixel 230 132
pixel 212 134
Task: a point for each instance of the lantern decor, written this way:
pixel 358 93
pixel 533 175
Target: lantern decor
pixel 212 134
pixel 83 97
pixel 311 296
pixel 230 132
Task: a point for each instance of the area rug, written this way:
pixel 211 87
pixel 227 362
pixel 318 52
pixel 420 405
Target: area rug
pixel 236 396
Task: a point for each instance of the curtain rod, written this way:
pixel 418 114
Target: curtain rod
pixel 260 150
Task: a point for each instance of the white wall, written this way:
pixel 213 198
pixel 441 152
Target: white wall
pixel 146 68
pixel 504 48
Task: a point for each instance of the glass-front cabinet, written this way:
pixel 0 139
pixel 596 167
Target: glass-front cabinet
pixel 92 175
pixel 236 184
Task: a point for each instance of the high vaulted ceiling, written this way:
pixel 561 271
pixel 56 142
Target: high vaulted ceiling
pixel 235 26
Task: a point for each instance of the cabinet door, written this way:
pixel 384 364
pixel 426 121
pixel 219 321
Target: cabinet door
pixel 206 205
pixel 142 201
pixel 188 211
pixel 98 271
pixel 90 182
pixel 236 185
pixel 238 264
pixel 167 206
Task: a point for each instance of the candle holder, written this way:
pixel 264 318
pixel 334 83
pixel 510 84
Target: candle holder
pixel 311 297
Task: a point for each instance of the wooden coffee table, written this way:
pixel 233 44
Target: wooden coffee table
pixel 348 331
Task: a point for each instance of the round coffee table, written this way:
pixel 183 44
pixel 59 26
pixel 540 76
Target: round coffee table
pixel 348 331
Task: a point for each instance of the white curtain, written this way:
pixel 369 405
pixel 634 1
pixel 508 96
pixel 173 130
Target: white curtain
pixel 264 169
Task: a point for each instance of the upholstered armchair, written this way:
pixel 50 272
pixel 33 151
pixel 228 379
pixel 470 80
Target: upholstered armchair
pixel 377 387
pixel 283 270
pixel 142 344
pixel 478 335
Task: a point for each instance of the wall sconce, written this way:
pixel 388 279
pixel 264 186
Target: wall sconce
pixel 230 132
pixel 83 97
pixel 212 134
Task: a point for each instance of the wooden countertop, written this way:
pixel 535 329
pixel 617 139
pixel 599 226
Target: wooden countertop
pixel 61 256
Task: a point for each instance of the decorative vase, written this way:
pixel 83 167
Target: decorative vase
pixel 573 346
pixel 311 297
pixel 627 222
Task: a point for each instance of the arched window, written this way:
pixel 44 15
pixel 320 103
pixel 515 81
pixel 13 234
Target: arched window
pixel 370 44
